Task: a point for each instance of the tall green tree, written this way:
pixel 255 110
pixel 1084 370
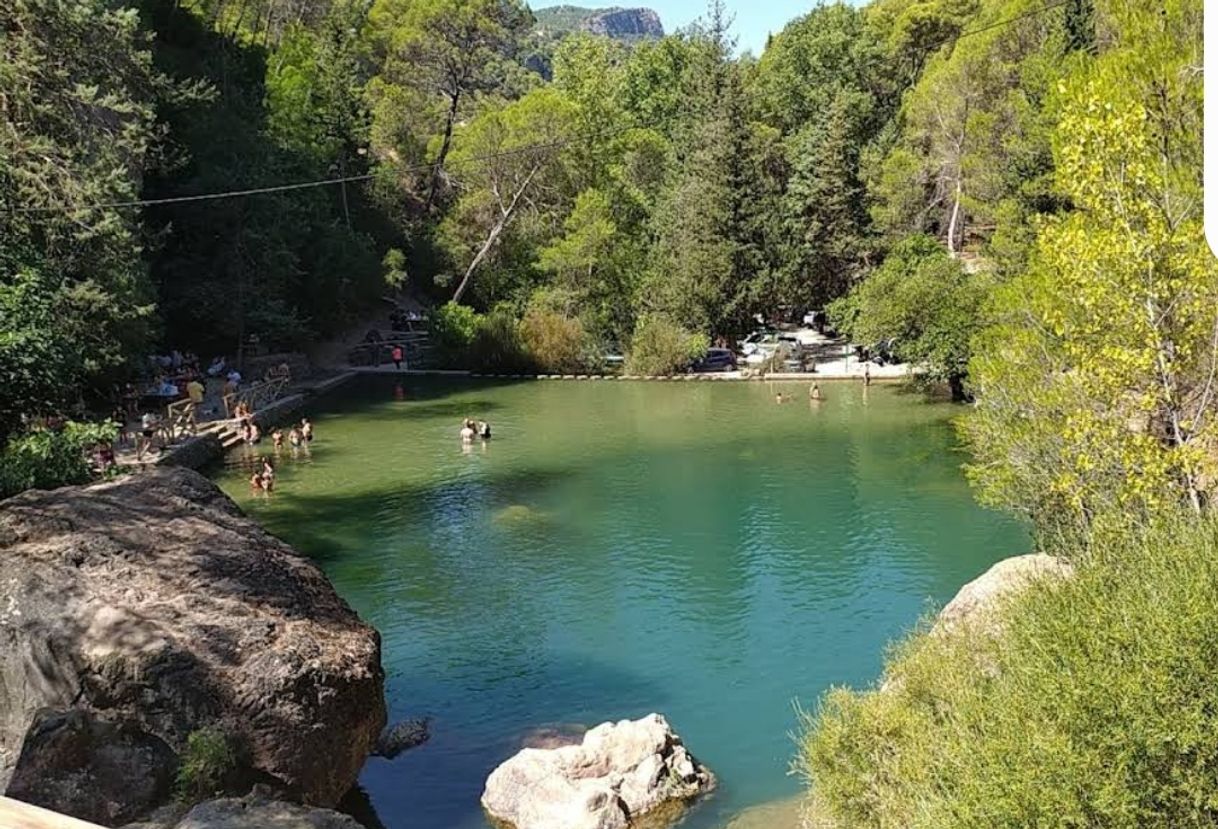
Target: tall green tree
pixel 1096 389
pixel 78 91
pixel 448 53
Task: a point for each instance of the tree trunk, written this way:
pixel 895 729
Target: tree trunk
pixel 956 383
pixel 445 146
pixel 492 237
pixel 954 224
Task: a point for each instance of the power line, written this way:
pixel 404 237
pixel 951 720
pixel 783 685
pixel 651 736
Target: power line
pixel 1007 22
pixel 304 185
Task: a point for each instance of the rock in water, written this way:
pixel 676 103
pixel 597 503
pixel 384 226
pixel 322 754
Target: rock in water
pixel 619 773
pixel 154 604
pixel 260 813
pixel 402 736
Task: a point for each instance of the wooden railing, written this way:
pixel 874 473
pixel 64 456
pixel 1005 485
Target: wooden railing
pixel 258 395
pixel 180 420
pixel 17 815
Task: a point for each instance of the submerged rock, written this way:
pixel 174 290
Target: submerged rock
pixel 254 812
pixel 402 736
pixel 617 775
pixel 153 603
pixel 556 735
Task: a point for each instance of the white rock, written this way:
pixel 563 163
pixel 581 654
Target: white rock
pixel 618 773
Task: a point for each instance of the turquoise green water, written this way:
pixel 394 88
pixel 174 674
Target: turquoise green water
pixel 622 548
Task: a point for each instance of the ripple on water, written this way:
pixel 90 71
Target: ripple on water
pixel 618 549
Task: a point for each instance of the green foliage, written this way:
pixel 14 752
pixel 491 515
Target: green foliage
pixel 660 346
pixel 77 128
pixel 206 762
pixel 925 301
pixel 288 266
pixel 1091 707
pixel 556 343
pixel 45 458
pixel 497 345
pixel 1095 385
pixel 452 328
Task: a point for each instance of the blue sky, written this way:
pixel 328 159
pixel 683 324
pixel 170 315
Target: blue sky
pixel 754 19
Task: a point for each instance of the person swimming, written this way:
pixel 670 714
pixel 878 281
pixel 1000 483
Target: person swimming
pixel 814 392
pixel 306 429
pixel 268 475
pixel 484 430
pixel 295 437
pixel 467 431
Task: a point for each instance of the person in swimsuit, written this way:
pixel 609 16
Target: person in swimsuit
pixel 306 429
pixel 484 430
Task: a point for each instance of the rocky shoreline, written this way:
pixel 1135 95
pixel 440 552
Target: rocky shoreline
pixel 137 614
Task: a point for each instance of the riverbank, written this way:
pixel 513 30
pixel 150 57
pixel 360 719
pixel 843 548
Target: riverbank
pixel 883 374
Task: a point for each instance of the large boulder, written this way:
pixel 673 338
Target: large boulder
pixel 98 771
pixel 152 603
pixel 618 774
pixel 256 812
pixel 976 601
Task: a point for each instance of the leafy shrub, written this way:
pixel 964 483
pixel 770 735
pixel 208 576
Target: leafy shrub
pixel 49 458
pixel 556 342
pixel 661 346
pixel 1093 707
pixel 497 345
pixel 453 328
pixel 206 762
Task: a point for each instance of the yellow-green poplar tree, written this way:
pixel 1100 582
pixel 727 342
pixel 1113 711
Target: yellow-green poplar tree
pixel 1096 388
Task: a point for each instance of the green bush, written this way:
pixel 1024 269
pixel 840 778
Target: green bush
pixel 453 328
pixel 206 762
pixel 49 458
pixel 662 346
pixel 557 343
pixel 1095 706
pixel 497 346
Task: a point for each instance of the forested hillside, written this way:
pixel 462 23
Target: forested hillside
pixel 188 175
pixel 1007 190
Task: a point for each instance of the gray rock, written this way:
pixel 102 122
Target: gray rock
pixel 402 736
pixel 153 602
pixel 620 773
pixel 254 812
pixel 99 771
pixel 977 600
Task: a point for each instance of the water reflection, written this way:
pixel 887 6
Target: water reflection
pixel 627 547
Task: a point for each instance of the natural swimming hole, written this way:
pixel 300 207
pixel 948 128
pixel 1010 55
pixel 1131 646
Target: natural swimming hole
pixel 620 548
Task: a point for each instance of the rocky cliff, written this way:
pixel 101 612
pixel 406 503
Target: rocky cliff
pixel 618 23
pixel 135 613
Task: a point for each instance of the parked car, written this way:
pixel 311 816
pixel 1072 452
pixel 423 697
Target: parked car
pixel 716 359
pixel 757 339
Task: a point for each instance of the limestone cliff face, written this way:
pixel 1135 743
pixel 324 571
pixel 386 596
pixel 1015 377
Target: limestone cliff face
pixel 150 608
pixel 626 24
pixel 622 24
